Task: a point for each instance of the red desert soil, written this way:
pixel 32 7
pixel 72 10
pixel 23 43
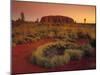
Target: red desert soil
pixel 21 53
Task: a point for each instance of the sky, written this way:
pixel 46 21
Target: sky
pixel 34 10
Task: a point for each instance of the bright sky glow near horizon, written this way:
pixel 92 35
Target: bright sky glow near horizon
pixel 34 10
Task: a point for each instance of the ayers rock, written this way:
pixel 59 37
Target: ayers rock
pixel 56 20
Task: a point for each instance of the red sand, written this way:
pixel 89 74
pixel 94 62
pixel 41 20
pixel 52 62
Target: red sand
pixel 21 53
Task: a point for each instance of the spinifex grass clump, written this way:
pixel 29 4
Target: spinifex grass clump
pixel 88 50
pixel 58 53
pixel 75 54
pixel 51 55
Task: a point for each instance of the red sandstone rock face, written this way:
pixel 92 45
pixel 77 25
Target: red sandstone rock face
pixel 56 20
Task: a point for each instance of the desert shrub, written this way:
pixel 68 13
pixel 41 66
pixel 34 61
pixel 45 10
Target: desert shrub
pixel 82 35
pixel 20 42
pixel 28 39
pixel 30 35
pixel 71 45
pixel 51 55
pixel 88 50
pixel 59 60
pixel 75 54
pixel 73 35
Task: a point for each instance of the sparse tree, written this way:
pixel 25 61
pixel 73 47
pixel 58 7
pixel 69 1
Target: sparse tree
pixel 84 20
pixel 37 21
pixel 22 17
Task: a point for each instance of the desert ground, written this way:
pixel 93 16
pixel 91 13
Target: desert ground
pixel 27 37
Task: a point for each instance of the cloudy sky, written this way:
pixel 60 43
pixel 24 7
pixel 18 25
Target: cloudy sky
pixel 34 10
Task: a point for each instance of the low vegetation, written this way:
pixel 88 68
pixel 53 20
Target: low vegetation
pixel 59 53
pixel 75 54
pixel 66 45
pixel 51 55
